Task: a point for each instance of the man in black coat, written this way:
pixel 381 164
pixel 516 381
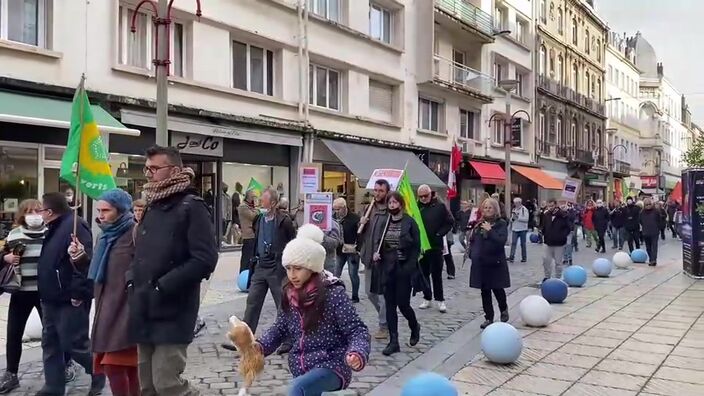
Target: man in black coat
pixel 632 224
pixel 556 229
pixel 650 220
pixel 618 220
pixel 601 223
pixel 438 222
pixel 66 293
pixel 175 249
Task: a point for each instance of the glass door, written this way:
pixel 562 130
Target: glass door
pixel 208 186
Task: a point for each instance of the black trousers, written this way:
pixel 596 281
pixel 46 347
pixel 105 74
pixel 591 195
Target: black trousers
pixel 431 265
pixel 488 305
pixel 265 278
pixel 397 294
pixel 21 305
pixel 671 225
pixel 651 246
pixel 248 246
pixel 633 236
pixel 662 233
pixel 601 242
pixel 449 264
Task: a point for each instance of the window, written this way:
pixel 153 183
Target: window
pixel 380 23
pixel 572 137
pixel 575 78
pixel 499 18
pixel 498 71
pixel 552 62
pixel 543 60
pixel 552 133
pixel 252 68
pixel 560 28
pixel 560 133
pixel 598 50
pixel 324 87
pixel 520 31
pixel 611 74
pixel 543 11
pixel 559 69
pixel 575 32
pixel 467 124
pixel 328 9
pixel 598 90
pixel 521 88
pixel 541 126
pixel 586 42
pixel 429 115
pixel 24 21
pixel 498 130
pixel 177 66
pixel 381 100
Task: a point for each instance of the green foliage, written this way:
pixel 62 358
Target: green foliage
pixel 694 156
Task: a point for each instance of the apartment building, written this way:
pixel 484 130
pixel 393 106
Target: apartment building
pixel 569 109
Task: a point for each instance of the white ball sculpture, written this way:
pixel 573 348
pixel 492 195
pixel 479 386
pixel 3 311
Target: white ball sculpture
pixel 535 311
pixel 622 260
pixel 33 329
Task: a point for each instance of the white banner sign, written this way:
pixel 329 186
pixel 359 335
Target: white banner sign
pixel 570 190
pixel 310 179
pixel 393 176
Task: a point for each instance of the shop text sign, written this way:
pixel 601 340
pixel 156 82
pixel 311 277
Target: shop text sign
pixel 191 143
pixel 570 189
pixel 310 178
pixel 393 176
pixel 317 210
pixel 649 181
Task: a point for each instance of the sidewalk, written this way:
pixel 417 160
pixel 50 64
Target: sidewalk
pixel 640 332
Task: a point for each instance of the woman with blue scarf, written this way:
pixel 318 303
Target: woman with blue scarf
pixel 114 354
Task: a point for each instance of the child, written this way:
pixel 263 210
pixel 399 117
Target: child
pixel 329 338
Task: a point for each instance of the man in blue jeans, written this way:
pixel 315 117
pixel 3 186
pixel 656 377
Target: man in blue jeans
pixel 519 226
pixel 347 253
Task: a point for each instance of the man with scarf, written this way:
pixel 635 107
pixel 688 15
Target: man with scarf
pixel 175 249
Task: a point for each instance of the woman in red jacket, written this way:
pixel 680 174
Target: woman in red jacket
pixel 588 223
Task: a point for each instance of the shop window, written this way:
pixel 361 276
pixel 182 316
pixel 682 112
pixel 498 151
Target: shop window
pixel 381 100
pixel 252 68
pixel 24 21
pixel 18 181
pixel 380 23
pixel 324 85
pixel 468 124
pixel 328 9
pixel 429 115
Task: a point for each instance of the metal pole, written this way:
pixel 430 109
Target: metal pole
pixel 507 160
pixel 162 83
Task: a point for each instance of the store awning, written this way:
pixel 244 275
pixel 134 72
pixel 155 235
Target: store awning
pixel 53 113
pixel 538 177
pixel 490 173
pixel 363 160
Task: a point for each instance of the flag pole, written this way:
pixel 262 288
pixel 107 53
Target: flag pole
pixel 77 167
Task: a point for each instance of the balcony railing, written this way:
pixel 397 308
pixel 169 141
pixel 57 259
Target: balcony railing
pixel 464 76
pixel 555 88
pixel 582 156
pixel 622 167
pixel 468 14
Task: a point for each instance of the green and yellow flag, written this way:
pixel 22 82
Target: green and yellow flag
pixel 85 158
pixel 255 186
pixel 404 188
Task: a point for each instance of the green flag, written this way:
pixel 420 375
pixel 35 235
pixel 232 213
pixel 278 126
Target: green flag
pixel 404 188
pixel 85 158
pixel 255 186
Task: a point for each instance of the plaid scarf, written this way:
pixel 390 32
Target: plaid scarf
pixel 156 191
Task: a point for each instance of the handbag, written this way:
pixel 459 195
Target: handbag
pixel 10 280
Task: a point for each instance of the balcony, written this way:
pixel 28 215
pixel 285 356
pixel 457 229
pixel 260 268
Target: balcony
pixel 471 17
pixel 457 76
pixel 622 168
pixel 549 85
pixel 581 158
pixel 553 87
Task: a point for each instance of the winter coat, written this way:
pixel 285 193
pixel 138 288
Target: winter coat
pixel 365 238
pixel 662 221
pixel 618 217
pixel 463 220
pixel 395 262
pixel 339 332
pixel 58 279
pixel 331 242
pixel 284 232
pixel 246 215
pixel 672 208
pixel 519 219
pixel 632 214
pixel 588 219
pixel 556 228
pixel 650 221
pixel 349 226
pixel 489 268
pixel 175 249
pixel 437 221
pixel 601 219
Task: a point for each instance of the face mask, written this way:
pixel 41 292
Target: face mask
pixel 263 210
pixel 630 203
pixel 34 221
pixel 395 211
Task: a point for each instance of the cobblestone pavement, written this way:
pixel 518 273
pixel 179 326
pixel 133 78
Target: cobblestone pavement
pixel 213 369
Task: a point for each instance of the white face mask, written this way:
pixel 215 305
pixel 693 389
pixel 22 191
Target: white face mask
pixel 34 220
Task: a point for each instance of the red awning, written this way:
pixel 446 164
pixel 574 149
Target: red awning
pixel 490 173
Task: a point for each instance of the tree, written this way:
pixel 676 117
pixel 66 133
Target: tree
pixel 694 156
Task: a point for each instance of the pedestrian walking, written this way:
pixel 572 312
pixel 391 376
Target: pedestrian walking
pixel 373 214
pixel 650 220
pixel 447 254
pixel 569 246
pixel 632 224
pixel 65 293
pixel 601 224
pixel 114 354
pixel 175 249
pixel 331 340
pixel 489 271
pixel 396 252
pixel 226 213
pixel 246 213
pixel 331 242
pixel 347 253
pixel 662 221
pixel 520 217
pixel 556 228
pixel 672 208
pixel 438 222
pixel 618 220
pixel 532 207
pixel 588 224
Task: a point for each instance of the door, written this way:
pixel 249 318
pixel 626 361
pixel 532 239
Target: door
pixel 207 184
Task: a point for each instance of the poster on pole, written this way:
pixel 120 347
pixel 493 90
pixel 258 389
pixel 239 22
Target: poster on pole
pixel 393 176
pixel 310 178
pixel 570 190
pixel 317 210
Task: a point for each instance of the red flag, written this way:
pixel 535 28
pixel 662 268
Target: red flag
pixel 455 161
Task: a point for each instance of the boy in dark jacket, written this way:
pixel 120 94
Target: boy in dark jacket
pixel 632 223
pixel 556 228
pixel 601 223
pixel 650 220
pixel 618 219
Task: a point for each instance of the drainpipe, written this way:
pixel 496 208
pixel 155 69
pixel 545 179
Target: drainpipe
pixel 303 83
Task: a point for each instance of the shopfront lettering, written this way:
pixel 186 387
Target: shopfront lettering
pixel 205 143
pixel 226 132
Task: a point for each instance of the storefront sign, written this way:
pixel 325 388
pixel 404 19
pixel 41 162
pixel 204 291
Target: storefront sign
pixel 310 178
pixel 570 190
pixel 317 210
pixel 393 176
pixel 191 143
pixel 649 181
pixel 692 227
pixel 516 132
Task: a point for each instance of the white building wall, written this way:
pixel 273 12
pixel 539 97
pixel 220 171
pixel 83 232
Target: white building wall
pixel 623 107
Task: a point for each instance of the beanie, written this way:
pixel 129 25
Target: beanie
pixel 119 199
pixel 306 250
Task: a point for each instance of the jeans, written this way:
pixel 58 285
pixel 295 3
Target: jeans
pixel 601 241
pixel 591 235
pixel 651 246
pixel 397 294
pixel 567 255
pixel 633 236
pixel 315 382
pixel 488 305
pixel 263 280
pixel 160 368
pixel 377 300
pixel 431 264
pixel 516 236
pixel 21 305
pixel 553 253
pixel 352 269
pixel 619 237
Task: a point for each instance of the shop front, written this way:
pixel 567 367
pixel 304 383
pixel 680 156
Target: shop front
pixel 479 177
pixel 539 184
pixel 595 186
pixel 649 186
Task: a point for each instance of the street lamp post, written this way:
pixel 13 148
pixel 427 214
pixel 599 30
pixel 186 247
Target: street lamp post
pixel 507 86
pixel 611 162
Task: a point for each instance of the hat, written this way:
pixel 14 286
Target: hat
pixel 118 198
pixel 306 250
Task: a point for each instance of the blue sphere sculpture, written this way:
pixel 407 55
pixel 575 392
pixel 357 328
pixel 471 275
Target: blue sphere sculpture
pixel 429 384
pixel 602 267
pixel 639 256
pixel 501 343
pixel 242 280
pixel 575 276
pixel 535 238
pixel 554 290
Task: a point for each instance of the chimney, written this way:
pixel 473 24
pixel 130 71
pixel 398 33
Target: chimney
pixel 660 69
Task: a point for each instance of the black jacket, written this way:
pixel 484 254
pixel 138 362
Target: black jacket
pixel 632 214
pixel 489 268
pixel 284 232
pixel 601 219
pixel 349 225
pixel 175 249
pixel 650 220
pixel 395 263
pixel 556 227
pixel 58 279
pixel 437 221
pixel 463 220
pixel 618 217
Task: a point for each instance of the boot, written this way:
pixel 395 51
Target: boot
pixel 504 316
pixel 415 335
pixel 393 346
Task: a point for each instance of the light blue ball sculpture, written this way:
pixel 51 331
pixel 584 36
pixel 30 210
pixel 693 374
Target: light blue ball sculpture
pixel 602 267
pixel 639 256
pixel 534 238
pixel 554 290
pixel 242 280
pixel 429 384
pixel 501 343
pixel 575 276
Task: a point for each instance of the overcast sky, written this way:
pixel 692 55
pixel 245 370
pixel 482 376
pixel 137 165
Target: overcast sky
pixel 675 29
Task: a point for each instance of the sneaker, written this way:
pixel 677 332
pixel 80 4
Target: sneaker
pixel 504 316
pixel 355 300
pixel 200 325
pixel 97 384
pixel 284 348
pixel 523 260
pixel 485 324
pixel 442 307
pixel 69 372
pixel 450 277
pixel 381 334
pixel 424 305
pixel 510 259
pixel 8 382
